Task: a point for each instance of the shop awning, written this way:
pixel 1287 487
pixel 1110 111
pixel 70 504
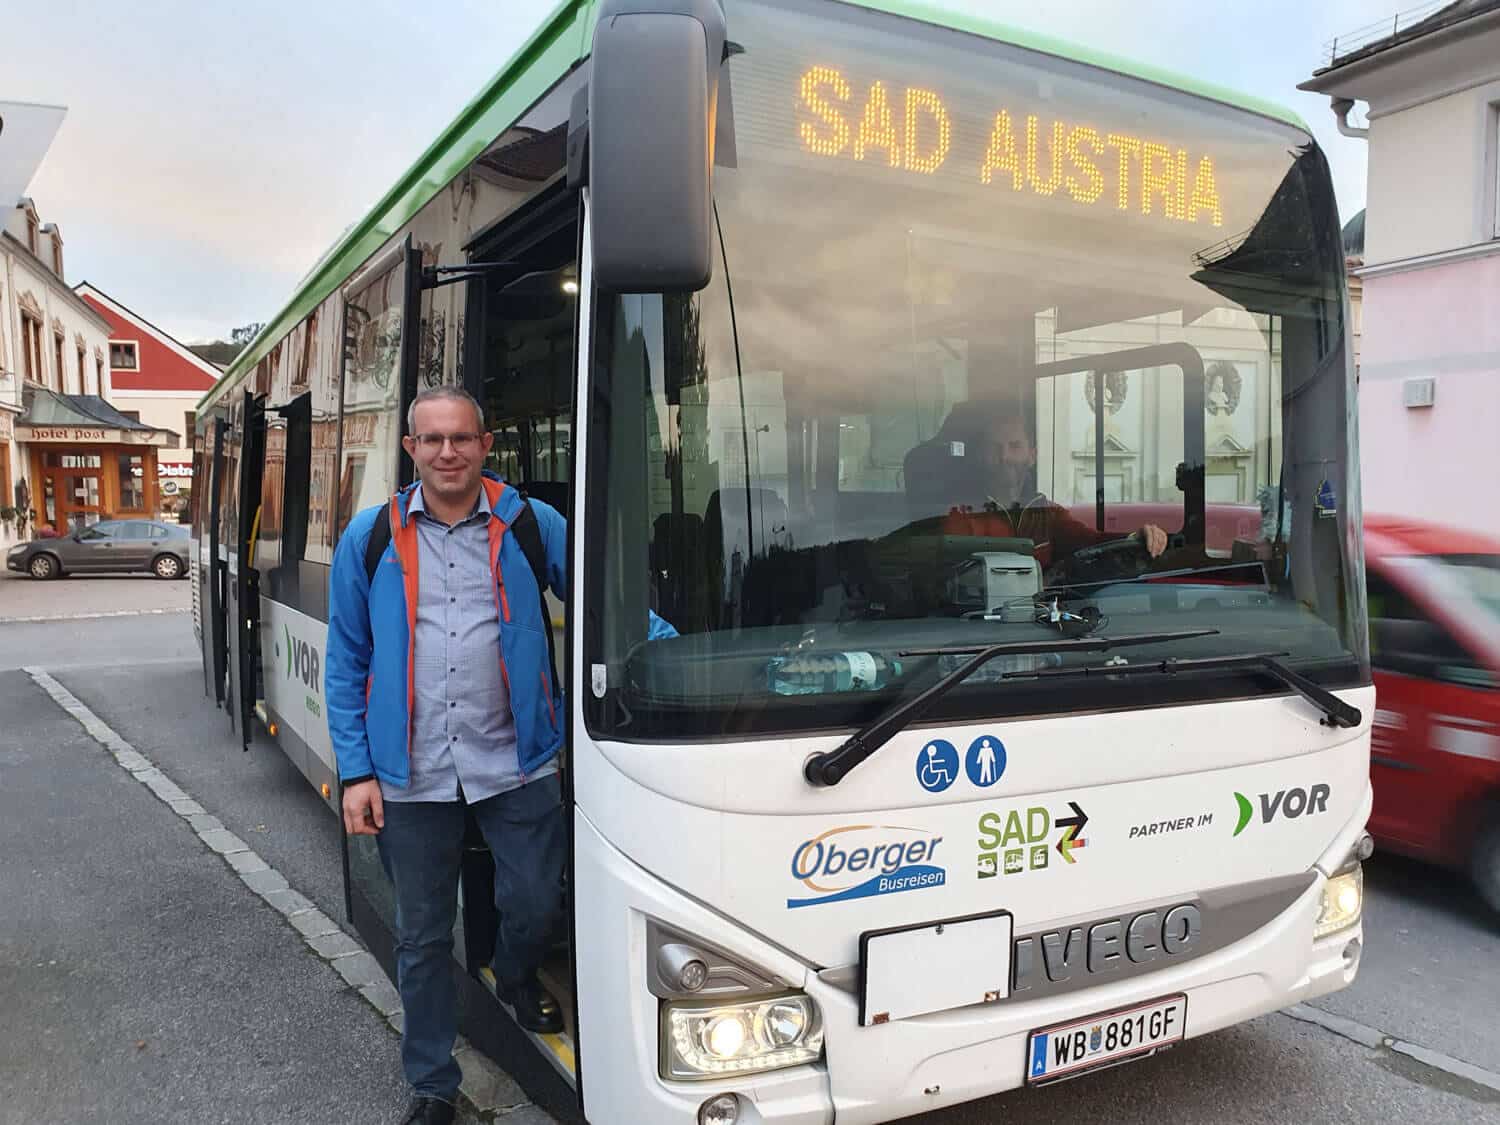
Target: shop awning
pixel 60 419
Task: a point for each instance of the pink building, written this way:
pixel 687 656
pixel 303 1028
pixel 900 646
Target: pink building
pixel 1430 364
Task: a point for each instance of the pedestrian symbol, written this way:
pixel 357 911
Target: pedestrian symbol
pixel 985 761
pixel 937 765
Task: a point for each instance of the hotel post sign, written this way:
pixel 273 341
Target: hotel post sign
pixel 74 435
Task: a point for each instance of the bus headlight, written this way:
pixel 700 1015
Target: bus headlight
pixel 1343 902
pixel 703 1039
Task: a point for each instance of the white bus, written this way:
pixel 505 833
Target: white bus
pixel 981 414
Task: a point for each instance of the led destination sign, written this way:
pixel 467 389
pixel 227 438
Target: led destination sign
pixel 911 129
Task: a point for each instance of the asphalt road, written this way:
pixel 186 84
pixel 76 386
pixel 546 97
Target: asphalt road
pixel 119 929
pixel 22 597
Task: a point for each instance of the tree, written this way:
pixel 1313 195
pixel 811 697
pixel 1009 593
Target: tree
pixel 245 333
pixel 221 353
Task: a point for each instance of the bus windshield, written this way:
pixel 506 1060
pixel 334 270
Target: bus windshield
pixel 999 347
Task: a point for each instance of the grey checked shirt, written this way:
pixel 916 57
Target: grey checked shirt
pixel 462 729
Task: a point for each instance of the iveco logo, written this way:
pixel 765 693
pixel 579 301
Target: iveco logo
pixel 1059 955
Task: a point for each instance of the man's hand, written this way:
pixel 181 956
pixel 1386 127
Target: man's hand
pixel 364 812
pixel 1153 538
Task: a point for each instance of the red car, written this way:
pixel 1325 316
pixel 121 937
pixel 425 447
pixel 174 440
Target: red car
pixel 1434 600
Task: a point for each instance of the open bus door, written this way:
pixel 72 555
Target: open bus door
pixel 246 585
pixel 522 303
pixel 520 360
pixel 230 541
pixel 218 653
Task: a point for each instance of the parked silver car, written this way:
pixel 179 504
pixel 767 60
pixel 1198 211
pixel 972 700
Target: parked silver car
pixel 111 545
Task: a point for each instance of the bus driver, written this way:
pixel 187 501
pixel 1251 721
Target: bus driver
pixel 992 491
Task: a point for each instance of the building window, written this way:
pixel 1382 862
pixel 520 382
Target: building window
pixel 132 482
pixel 57 351
pixel 57 255
pixel 123 355
pixel 53 460
pixel 83 379
pixel 31 233
pixel 31 347
pixel 189 428
pixel 98 375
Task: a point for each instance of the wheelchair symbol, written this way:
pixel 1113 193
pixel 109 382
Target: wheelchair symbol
pixel 937 765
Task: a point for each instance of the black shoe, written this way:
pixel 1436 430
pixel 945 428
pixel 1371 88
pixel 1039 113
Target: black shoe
pixel 534 1007
pixel 428 1111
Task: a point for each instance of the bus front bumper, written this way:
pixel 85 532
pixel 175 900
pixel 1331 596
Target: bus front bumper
pixel 917 1065
pixel 884 1072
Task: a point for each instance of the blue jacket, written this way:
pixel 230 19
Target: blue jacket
pixel 371 625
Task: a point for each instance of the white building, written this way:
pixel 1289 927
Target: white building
pixel 50 339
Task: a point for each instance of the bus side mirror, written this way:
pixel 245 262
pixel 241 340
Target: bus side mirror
pixel 652 100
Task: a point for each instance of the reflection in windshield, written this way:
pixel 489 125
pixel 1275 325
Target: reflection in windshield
pixel 911 413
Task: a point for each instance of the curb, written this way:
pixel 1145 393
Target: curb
pixel 485 1086
pixel 1376 1040
pixel 41 619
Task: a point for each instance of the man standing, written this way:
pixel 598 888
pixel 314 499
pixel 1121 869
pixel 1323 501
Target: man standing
pixel 440 696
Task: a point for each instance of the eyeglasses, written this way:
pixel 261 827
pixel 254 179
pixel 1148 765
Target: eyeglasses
pixel 433 443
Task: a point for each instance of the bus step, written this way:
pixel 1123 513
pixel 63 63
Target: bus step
pixel 558 1048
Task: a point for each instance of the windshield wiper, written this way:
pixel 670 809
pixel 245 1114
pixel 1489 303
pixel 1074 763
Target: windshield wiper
pixel 1336 713
pixel 832 767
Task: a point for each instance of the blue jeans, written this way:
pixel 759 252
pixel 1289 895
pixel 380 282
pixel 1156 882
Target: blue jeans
pixel 420 847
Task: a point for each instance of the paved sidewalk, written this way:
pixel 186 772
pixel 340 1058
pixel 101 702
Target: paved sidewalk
pixel 23 598
pixel 142 981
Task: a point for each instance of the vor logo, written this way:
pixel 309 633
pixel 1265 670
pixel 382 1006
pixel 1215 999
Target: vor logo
pixel 302 662
pixel 1288 804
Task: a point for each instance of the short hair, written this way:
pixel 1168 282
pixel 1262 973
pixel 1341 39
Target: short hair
pixel 971 420
pixel 446 391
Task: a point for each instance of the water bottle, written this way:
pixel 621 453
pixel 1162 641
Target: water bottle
pixel 819 673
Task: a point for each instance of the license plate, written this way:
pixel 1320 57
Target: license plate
pixel 915 970
pixel 1067 1049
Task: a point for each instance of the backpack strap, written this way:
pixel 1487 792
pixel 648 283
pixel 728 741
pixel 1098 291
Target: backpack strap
pixel 380 539
pixel 528 533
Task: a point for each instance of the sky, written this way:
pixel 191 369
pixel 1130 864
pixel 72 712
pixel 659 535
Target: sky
pixel 212 152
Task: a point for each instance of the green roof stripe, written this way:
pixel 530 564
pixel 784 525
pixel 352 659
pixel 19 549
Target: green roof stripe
pixel 557 45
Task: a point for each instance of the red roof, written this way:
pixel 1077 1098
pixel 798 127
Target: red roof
pixel 163 363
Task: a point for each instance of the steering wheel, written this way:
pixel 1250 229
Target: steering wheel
pixel 1108 562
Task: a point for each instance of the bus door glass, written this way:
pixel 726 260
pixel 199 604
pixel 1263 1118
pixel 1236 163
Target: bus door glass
pixel 211 593
pixel 379 372
pixel 376 346
pixel 524 356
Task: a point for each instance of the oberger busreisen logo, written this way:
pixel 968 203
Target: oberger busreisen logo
pixel 863 860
